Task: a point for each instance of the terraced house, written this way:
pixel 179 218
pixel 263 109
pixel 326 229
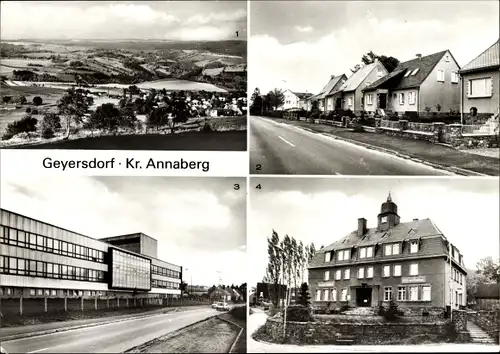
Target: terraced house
pixel 411 263
pixel 42 260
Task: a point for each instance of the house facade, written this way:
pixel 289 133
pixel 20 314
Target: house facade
pixel 423 85
pixel 410 263
pixel 481 82
pixel 325 99
pixel 350 93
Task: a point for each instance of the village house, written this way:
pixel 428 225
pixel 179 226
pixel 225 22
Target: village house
pixel 294 100
pixel 481 83
pixel 421 85
pixel 350 94
pixel 410 263
pixel 324 103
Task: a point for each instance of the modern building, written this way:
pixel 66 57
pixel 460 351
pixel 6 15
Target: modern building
pixel 410 263
pixel 38 259
pixel 424 85
pixel 481 84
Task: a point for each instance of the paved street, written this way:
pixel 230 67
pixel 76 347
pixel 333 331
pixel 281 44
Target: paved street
pixel 109 338
pixel 258 319
pixel 278 148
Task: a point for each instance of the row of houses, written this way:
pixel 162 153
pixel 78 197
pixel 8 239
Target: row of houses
pixel 432 83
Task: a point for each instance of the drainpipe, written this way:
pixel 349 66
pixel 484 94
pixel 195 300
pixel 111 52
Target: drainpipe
pixel 418 101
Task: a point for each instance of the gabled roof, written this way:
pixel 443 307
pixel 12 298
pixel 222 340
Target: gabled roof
pixel 328 87
pixel 424 65
pixel 385 82
pixel 302 95
pixel 489 58
pixel 357 78
pixel 488 291
pixel 403 231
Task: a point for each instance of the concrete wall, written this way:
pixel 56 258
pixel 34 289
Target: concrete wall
pixel 445 93
pixel 487 105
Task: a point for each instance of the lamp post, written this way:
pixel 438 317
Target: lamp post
pixel 191 281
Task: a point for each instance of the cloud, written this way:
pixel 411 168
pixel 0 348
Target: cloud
pixel 304 28
pixel 195 228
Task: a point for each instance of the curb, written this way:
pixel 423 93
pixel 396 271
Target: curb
pixel 231 350
pixel 65 329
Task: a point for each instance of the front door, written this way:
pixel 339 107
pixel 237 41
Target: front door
pixel 364 297
pixel 338 103
pixel 382 100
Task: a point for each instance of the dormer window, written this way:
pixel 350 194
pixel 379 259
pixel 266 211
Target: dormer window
pixel 414 246
pixel 343 255
pixel 328 256
pixel 366 252
pixel 408 73
pixel 392 249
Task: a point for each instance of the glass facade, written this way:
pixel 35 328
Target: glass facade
pixel 130 271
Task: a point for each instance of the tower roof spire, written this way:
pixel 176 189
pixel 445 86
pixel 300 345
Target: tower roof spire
pixel 389 199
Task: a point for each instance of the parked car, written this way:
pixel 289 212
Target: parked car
pixel 215 305
pixel 223 306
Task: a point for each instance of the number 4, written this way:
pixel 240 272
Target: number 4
pixel 258 186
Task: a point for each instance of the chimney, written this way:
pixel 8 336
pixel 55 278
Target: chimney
pixel 419 56
pixel 416 219
pixel 361 226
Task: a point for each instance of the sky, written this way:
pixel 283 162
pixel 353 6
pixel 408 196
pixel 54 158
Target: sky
pixel 199 222
pixel 323 210
pixel 166 20
pixel 313 40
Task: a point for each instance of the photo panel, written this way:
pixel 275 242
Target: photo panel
pixel 123 264
pixel 377 264
pixel 374 88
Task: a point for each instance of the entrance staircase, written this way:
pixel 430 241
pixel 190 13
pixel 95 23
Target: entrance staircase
pixel 361 311
pixel 477 335
pixel 345 339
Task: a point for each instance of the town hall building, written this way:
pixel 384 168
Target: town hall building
pixel 410 263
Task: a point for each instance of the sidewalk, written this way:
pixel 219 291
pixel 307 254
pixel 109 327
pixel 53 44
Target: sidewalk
pixel 9 333
pixel 417 149
pixel 258 319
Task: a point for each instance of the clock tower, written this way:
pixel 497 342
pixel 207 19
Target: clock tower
pixel 388 217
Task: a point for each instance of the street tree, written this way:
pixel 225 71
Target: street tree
pixel 73 105
pixel 276 98
pixel 390 63
pixel 489 269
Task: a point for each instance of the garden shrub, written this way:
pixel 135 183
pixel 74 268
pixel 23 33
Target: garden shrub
pixel 299 313
pixel 52 121
pixel 24 125
pixel 37 100
pixel 389 313
pixel 28 110
pixel 47 132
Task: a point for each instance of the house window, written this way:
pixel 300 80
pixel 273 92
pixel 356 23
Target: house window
pixel 414 72
pixel 386 271
pixel 325 295
pixel 349 101
pixel 395 248
pixel 401 98
pixel 338 275
pixel 327 256
pixel 414 246
pixel 401 293
pixel 347 274
pixel 413 293
pixel 426 293
pixel 454 77
pixel 440 75
pixel 480 87
pixel 369 252
pixel 361 273
pixel 54 292
pixel 39 292
pixel 380 73
pixel 343 294
pixel 461 278
pixel 383 219
pixel 32 292
pixel 447 58
pixel 369 99
pixel 412 97
pixel 392 249
pixel 334 294
pixel 362 252
pixel 369 272
pixel 326 276
pixel 414 269
pixel 318 295
pixel 343 255
pixel 388 293
pixel 397 270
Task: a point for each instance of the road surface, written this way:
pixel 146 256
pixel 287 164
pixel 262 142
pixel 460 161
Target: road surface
pixel 258 319
pixel 109 338
pixel 280 148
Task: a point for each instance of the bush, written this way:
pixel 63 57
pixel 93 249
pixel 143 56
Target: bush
pixel 299 313
pixel 24 125
pixel 37 100
pixel 389 313
pixel 52 121
pixel 34 111
pixel 47 132
pixel 239 312
pixel 28 110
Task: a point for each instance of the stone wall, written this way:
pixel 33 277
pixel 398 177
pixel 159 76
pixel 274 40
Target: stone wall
pixel 488 321
pixel 328 333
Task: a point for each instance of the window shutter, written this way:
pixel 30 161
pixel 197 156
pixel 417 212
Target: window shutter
pixel 491 87
pixel 468 88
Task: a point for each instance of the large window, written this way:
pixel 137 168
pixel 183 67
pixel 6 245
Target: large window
pixel 401 293
pixel 343 255
pixel 388 293
pixel 130 271
pixel 165 272
pixel 413 293
pixel 480 87
pixel 392 249
pixel 366 252
pixel 426 293
pixel 42 243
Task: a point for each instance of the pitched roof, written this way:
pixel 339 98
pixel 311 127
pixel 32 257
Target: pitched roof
pixel 488 291
pixel 328 87
pixel 357 78
pixel 489 58
pixel 424 65
pixel 385 82
pixel 302 95
pixel 403 231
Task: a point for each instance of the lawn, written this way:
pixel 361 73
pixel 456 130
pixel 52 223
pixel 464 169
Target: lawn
pixel 193 141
